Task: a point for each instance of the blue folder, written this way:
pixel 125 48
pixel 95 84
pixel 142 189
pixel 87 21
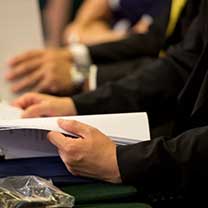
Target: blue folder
pixel 47 167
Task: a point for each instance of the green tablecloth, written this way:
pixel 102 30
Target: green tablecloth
pixel 104 195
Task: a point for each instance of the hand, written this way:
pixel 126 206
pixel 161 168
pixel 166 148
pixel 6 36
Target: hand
pixel 94 33
pixel 38 105
pixel 143 25
pixel 92 154
pixel 72 33
pixel 43 71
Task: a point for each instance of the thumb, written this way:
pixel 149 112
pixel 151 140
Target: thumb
pixel 74 127
pixel 58 139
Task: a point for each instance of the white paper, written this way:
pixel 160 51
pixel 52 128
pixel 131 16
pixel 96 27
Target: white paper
pixel 20 30
pixel 9 112
pixel 22 141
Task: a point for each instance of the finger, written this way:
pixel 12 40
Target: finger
pixel 74 127
pixel 43 86
pixel 24 57
pixel 29 81
pixel 26 100
pixel 23 68
pixel 36 110
pixel 46 85
pixel 59 140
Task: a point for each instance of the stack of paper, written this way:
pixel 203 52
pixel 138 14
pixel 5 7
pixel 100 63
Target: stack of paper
pixel 23 138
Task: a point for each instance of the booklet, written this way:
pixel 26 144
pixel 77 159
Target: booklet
pixel 27 138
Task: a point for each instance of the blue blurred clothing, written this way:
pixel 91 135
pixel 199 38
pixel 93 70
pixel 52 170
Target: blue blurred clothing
pixel 133 10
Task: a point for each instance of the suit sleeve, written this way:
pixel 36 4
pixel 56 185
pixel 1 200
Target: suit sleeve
pixel 134 45
pixel 164 163
pixel 118 70
pixel 152 88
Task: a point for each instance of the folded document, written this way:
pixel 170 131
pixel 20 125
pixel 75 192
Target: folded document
pixel 26 138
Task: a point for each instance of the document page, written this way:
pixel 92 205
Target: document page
pixel 22 138
pixel 20 31
pixel 9 112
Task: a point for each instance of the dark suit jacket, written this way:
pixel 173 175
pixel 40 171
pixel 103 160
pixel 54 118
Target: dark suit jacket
pixel 133 46
pixel 135 60
pixel 173 88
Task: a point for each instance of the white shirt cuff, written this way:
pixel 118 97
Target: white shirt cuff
pixel 93 77
pixel 81 55
pixel 78 78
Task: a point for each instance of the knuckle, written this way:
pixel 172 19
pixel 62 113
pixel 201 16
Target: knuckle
pixel 90 131
pixel 29 53
pixel 51 54
pixel 52 76
pixel 78 157
pixel 74 123
pixel 68 149
pixel 31 94
pixel 73 171
pixel 52 65
pixel 66 161
pixel 73 153
pixel 49 81
pixel 20 69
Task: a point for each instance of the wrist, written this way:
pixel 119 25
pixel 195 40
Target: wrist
pixel 80 22
pixel 116 177
pixel 66 54
pixel 69 107
pixel 80 55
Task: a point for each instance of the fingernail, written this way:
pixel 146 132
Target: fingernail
pixel 49 134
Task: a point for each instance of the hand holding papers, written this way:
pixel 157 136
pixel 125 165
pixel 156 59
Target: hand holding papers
pixel 23 138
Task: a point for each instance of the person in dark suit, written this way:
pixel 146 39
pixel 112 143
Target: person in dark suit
pixel 172 88
pixel 117 60
pixel 38 69
pixel 111 20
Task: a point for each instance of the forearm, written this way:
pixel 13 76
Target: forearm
pixel 154 85
pixel 129 47
pixel 133 45
pixel 92 10
pixel 107 36
pixel 152 88
pixel 56 18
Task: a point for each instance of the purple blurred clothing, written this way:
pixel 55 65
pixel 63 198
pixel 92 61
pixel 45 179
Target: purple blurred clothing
pixel 133 10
